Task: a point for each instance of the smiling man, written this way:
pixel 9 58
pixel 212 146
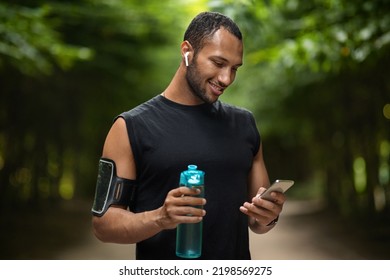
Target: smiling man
pixel 137 195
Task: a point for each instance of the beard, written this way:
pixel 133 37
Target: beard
pixel 194 80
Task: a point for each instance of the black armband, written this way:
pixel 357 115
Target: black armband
pixel 111 189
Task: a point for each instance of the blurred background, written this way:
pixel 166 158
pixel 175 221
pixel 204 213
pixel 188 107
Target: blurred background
pixel 316 76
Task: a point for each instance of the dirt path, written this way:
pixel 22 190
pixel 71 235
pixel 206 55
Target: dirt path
pixel 302 234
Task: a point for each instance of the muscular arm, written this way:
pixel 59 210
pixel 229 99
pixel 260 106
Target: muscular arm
pixel 118 225
pixel 261 212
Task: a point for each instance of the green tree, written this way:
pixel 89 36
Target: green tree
pixel 317 82
pixel 67 68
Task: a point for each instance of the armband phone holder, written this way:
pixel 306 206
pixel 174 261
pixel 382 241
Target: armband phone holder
pixel 111 189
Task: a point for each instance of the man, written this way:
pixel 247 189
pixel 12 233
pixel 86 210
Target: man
pixel 151 144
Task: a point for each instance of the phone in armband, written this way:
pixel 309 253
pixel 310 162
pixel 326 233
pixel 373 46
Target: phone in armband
pixel 278 186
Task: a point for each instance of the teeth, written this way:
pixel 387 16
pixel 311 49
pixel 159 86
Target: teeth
pixel 216 86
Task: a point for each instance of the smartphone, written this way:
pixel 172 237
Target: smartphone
pixel 278 186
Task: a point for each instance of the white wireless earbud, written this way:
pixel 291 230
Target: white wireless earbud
pixel 186 58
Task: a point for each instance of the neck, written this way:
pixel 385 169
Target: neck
pixel 178 90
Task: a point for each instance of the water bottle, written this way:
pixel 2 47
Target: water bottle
pixel 189 236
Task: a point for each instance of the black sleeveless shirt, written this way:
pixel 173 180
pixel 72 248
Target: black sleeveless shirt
pixel 221 140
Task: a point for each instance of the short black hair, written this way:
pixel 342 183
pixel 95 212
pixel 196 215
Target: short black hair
pixel 205 24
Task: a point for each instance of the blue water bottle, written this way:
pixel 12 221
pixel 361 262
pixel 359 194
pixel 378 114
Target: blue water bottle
pixel 189 236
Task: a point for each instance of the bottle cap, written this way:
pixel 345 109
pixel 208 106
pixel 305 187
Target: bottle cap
pixel 192 167
pixel 194 176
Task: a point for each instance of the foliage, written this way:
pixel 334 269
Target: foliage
pixel 29 43
pixel 67 68
pixel 317 80
pixel 315 75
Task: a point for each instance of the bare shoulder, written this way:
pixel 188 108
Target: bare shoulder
pixel 117 147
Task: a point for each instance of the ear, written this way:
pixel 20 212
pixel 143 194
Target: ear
pixel 186 52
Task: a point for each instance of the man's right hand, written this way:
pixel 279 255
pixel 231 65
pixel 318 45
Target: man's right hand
pixel 180 207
